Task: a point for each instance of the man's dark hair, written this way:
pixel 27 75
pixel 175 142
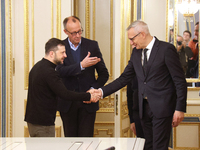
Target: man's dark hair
pixel 197 23
pixel 74 19
pixel 187 31
pixel 52 44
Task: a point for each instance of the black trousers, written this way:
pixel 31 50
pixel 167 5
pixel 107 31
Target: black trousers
pixel 156 130
pixel 138 126
pixel 78 122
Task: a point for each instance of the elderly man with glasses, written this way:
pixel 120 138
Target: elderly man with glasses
pixel 78 74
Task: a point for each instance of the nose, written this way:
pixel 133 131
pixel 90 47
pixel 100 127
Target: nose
pixel 65 55
pixel 131 42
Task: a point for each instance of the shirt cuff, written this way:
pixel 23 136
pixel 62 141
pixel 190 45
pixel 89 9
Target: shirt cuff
pixel 81 67
pixel 101 92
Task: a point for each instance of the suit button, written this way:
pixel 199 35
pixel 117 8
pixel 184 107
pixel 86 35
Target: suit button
pixel 145 83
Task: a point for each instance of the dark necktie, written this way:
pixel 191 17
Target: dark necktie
pixel 145 61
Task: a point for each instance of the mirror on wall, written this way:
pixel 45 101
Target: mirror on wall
pixel 182 30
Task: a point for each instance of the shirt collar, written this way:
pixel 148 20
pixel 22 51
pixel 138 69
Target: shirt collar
pixel 72 45
pixel 150 45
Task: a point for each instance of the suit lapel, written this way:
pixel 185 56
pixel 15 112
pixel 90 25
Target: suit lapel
pixel 152 56
pixel 84 48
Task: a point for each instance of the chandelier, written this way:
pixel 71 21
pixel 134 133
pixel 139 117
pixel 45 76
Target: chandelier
pixel 188 7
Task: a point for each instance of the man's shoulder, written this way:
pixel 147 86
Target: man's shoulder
pixel 163 44
pixel 38 64
pixel 191 43
pixel 85 40
pixel 43 66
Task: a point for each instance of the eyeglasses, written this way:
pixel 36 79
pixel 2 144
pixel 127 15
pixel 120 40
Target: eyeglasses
pixel 134 36
pixel 75 33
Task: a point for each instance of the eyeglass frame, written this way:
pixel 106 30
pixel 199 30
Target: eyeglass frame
pixel 134 36
pixel 75 33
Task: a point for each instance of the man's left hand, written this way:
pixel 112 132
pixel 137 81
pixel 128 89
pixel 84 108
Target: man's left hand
pixel 177 118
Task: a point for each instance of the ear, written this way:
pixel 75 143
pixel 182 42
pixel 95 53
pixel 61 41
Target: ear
pixel 51 54
pixel 65 31
pixel 143 35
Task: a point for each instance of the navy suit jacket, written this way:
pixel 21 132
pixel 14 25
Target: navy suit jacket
pixel 74 78
pixel 164 83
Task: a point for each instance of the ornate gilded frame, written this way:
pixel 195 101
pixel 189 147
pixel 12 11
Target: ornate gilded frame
pixel 189 80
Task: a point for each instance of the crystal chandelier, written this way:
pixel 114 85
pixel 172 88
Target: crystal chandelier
pixel 188 7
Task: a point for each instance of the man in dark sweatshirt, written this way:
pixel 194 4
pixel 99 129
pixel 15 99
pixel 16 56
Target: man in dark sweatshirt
pixel 44 87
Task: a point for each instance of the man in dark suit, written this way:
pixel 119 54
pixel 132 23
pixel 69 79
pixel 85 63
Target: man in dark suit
pixel 78 74
pixel 162 86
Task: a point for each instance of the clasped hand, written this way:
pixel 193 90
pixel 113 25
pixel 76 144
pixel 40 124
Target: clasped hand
pixel 95 95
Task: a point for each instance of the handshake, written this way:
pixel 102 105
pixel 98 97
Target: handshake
pixel 96 94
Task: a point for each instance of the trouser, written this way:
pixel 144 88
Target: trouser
pixel 138 126
pixel 41 131
pixel 156 130
pixel 78 122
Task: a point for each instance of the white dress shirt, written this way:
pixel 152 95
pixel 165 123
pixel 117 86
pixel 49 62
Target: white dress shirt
pixel 149 47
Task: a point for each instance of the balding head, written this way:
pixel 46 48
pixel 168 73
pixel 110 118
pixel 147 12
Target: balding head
pixel 70 19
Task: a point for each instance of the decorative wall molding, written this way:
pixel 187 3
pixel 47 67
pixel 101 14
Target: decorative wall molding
pixel 58 15
pixel 104 104
pixel 167 21
pixel 191 115
pixel 111 39
pixel 175 133
pixel 109 132
pixel 193 88
pixel 58 131
pixel 93 19
pixel 124 110
pixel 33 32
pixel 52 18
pixel 26 133
pixel 104 123
pixel 103 126
pixel 126 132
pixel 9 70
pixel 1 69
pixel 26 43
pixel 87 19
pixel 106 110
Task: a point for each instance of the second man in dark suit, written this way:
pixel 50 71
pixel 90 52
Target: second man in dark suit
pixel 162 88
pixel 133 108
pixel 78 74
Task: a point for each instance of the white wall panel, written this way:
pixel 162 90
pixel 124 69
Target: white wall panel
pixel 40 28
pixel 154 16
pixel 42 21
pixel 66 11
pixel 19 94
pixel 102 29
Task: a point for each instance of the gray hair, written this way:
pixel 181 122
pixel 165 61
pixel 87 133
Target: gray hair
pixel 139 26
